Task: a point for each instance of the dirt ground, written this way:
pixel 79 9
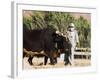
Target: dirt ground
pixel 38 63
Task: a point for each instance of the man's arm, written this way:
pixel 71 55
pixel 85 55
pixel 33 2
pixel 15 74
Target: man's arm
pixel 77 38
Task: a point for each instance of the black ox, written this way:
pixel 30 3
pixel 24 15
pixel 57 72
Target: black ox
pixel 44 40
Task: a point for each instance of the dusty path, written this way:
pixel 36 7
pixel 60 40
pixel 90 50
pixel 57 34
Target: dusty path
pixel 38 63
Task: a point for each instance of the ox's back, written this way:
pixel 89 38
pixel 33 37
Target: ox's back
pixel 37 40
pixel 32 40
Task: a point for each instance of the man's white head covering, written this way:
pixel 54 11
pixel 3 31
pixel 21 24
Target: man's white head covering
pixel 72 25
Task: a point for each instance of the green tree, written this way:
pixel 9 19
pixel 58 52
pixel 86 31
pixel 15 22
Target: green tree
pixel 84 30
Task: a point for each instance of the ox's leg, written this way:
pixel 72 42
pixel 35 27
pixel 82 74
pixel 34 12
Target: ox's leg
pixel 55 60
pixel 45 60
pixel 55 55
pixel 30 60
pixel 51 61
pixel 50 54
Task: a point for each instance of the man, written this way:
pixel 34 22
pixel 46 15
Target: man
pixel 73 38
